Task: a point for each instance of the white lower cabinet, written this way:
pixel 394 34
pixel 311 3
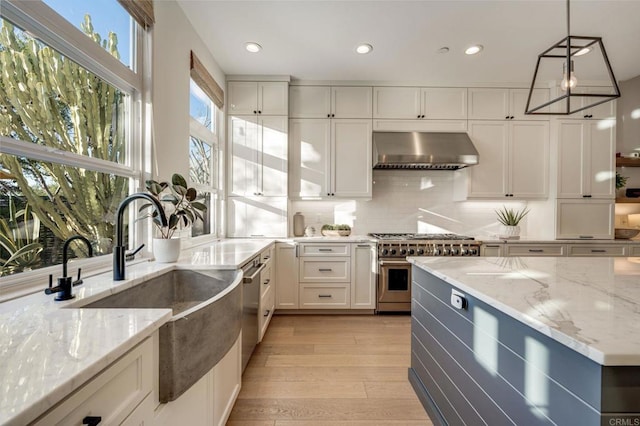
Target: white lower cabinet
pixel 113 395
pixel 326 275
pixel 491 250
pixel 595 250
pixel 267 291
pixel 585 219
pixel 210 400
pixel 364 268
pixel 534 250
pixel 286 276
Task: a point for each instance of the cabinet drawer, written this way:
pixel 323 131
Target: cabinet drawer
pixel 112 395
pixel 267 305
pixel 535 250
pixel 324 249
pixel 268 254
pixel 324 296
pixel 265 279
pixel 325 270
pixel 591 250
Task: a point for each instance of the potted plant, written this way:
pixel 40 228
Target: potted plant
pixel 182 207
pixel 335 230
pixel 509 220
pixel 621 182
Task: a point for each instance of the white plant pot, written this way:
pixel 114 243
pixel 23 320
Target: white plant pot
pixel 166 250
pixel 509 232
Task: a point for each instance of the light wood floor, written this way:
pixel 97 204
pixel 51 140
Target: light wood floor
pixel 330 371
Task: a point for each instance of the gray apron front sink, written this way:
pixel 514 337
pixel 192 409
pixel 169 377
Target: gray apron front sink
pixel 206 321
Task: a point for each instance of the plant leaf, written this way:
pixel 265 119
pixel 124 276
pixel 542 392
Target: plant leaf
pixel 191 194
pixel 178 180
pixel 181 190
pixel 198 206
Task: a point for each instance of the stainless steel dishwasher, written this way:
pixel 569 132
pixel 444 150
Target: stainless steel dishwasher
pixel 250 301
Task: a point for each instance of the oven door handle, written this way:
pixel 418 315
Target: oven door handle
pixel 393 262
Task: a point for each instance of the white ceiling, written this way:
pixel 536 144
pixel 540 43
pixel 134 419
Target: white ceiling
pixel 315 40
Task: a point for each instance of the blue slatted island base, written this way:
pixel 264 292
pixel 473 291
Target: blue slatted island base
pixel 526 341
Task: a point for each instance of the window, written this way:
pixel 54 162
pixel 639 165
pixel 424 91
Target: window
pixel 66 126
pixel 203 157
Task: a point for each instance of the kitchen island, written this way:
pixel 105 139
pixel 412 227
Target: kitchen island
pixel 527 340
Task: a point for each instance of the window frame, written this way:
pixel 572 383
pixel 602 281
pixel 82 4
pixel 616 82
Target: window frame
pixel 45 24
pixel 213 139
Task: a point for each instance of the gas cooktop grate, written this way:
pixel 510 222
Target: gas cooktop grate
pixel 409 236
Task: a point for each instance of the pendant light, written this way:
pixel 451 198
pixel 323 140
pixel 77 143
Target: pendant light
pixel 560 62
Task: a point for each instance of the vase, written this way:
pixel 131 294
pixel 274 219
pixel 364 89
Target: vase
pixel 166 250
pixel 509 232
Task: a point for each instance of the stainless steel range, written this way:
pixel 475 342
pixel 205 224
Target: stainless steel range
pixel 394 272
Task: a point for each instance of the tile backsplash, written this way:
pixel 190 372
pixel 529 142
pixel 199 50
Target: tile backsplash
pixel 407 201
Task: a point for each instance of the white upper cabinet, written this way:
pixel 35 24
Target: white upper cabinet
pixel 504 104
pixel 330 158
pixel 258 98
pixel 330 102
pixel 586 160
pixel 257 217
pixel 415 103
pixel 259 151
pixel 514 160
pixel 606 110
pixel 585 219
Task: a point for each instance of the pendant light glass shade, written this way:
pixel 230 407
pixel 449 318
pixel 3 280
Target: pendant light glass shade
pixel 566 64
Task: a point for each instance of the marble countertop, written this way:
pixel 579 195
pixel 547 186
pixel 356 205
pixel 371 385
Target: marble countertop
pixel 50 348
pixel 591 305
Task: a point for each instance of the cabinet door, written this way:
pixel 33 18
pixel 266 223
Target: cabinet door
pixel 397 102
pixel 585 219
pixel 572 148
pixel 518 103
pixel 227 375
pixel 351 102
pixel 529 159
pixel 488 179
pixel 351 158
pixel 245 167
pixel 257 217
pixel 286 276
pixel 602 160
pixel 243 98
pixel 309 163
pixel 602 111
pixel 363 276
pixel 443 103
pixel 488 104
pixel 310 101
pixel 273 155
pixel 273 98
pixel 491 250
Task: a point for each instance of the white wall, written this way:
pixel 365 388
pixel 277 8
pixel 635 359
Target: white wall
pixel 414 201
pixel 173 40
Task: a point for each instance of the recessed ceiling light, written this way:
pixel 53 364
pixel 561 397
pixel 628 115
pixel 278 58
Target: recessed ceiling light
pixel 252 47
pixel 363 49
pixel 472 50
pixel 582 51
pixel 443 49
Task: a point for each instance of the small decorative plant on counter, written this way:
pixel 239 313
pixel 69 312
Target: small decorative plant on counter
pixel 509 220
pixel 621 181
pixel 336 230
pixel 182 207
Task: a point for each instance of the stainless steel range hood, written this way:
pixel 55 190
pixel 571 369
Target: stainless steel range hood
pixel 423 150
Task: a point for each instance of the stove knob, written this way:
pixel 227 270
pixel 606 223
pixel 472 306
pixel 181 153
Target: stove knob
pixel 393 251
pixel 436 252
pixel 412 251
pixel 473 252
pixel 464 251
pixel 446 251
pixel 403 252
pixel 420 251
pixel 455 251
pixel 385 252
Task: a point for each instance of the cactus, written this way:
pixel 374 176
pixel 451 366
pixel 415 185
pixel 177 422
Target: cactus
pixel 48 100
